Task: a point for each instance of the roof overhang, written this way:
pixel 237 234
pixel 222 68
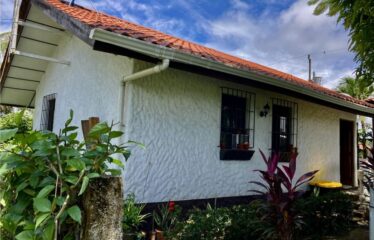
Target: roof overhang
pixel 33 42
pixel 161 52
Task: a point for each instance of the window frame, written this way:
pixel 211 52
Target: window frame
pixel 291 126
pixel 48 112
pixel 237 144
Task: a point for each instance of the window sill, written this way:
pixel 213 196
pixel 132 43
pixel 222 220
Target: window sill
pixel 236 154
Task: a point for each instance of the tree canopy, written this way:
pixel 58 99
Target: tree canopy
pixel 357 17
pixel 360 88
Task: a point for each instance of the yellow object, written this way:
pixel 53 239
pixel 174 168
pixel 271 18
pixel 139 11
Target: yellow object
pixel 327 184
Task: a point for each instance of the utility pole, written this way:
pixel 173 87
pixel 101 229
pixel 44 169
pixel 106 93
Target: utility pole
pixel 310 67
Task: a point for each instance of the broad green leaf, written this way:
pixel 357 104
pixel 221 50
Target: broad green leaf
pixel 34 180
pixel 69 152
pixel 4 169
pixel 69 129
pixel 29 191
pixel 115 134
pixel 25 235
pixel 40 219
pixel 18 117
pixel 75 213
pixel 93 175
pixel 76 163
pixel 118 163
pixel 42 204
pixel 49 231
pixel 137 144
pixel 60 201
pixel 7 134
pixel 22 186
pixel 69 237
pixel 99 129
pixel 71 179
pixel 47 181
pixel 45 191
pixel 84 185
pixel 126 154
pixel 115 172
pixel 71 115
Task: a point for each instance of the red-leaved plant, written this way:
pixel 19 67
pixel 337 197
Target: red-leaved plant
pixel 281 192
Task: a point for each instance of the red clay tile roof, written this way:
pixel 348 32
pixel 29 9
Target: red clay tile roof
pixel 110 23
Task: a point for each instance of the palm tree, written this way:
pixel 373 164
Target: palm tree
pixel 360 88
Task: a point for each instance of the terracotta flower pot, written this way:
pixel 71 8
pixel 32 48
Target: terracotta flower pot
pixel 159 235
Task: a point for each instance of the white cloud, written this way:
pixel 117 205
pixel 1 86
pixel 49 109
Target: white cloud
pixel 283 41
pixel 279 39
pixel 6 14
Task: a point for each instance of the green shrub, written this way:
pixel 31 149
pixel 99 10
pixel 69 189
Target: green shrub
pixel 43 176
pixel 246 222
pixel 21 120
pixel 133 217
pixel 203 224
pixel 327 214
pixel 234 223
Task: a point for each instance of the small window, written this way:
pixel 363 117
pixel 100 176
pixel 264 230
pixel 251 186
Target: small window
pixel 48 112
pixel 284 128
pixel 237 124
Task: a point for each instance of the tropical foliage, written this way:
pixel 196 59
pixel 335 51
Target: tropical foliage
pixel 367 166
pixel 281 191
pixel 133 217
pixel 326 214
pixel 43 176
pixel 21 120
pixel 357 17
pixel 360 88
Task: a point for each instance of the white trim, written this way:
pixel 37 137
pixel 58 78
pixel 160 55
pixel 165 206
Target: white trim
pixel 41 27
pixel 32 55
pixel 164 52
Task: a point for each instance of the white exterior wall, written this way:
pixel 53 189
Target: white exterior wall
pixel 177 116
pixel 90 85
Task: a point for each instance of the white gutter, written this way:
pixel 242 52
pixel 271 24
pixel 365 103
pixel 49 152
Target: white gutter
pixel 162 52
pixel 156 69
pixel 144 73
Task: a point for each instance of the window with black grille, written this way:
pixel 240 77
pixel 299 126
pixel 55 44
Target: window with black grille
pixel 284 128
pixel 237 124
pixel 48 112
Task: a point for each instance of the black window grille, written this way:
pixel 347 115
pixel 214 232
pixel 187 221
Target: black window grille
pixel 284 128
pixel 48 112
pixel 237 124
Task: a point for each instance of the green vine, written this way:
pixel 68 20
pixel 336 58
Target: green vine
pixel 43 176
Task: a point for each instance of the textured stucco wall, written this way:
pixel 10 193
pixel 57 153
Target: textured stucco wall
pixel 90 86
pixel 177 116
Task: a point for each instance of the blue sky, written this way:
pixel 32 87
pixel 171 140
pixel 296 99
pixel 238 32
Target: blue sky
pixel 276 33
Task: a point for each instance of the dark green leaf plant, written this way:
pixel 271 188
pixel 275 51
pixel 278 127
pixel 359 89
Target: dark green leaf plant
pixel 44 175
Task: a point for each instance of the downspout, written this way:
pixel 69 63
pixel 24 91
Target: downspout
pixel 144 73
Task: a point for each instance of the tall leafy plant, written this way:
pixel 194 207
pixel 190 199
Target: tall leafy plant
pixel 367 166
pixel 281 191
pixel 43 176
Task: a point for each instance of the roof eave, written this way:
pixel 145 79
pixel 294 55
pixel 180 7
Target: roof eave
pixel 162 52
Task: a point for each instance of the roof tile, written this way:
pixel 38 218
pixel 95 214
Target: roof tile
pixel 114 24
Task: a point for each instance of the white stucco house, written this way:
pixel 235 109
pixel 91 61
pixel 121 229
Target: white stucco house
pixel 202 114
